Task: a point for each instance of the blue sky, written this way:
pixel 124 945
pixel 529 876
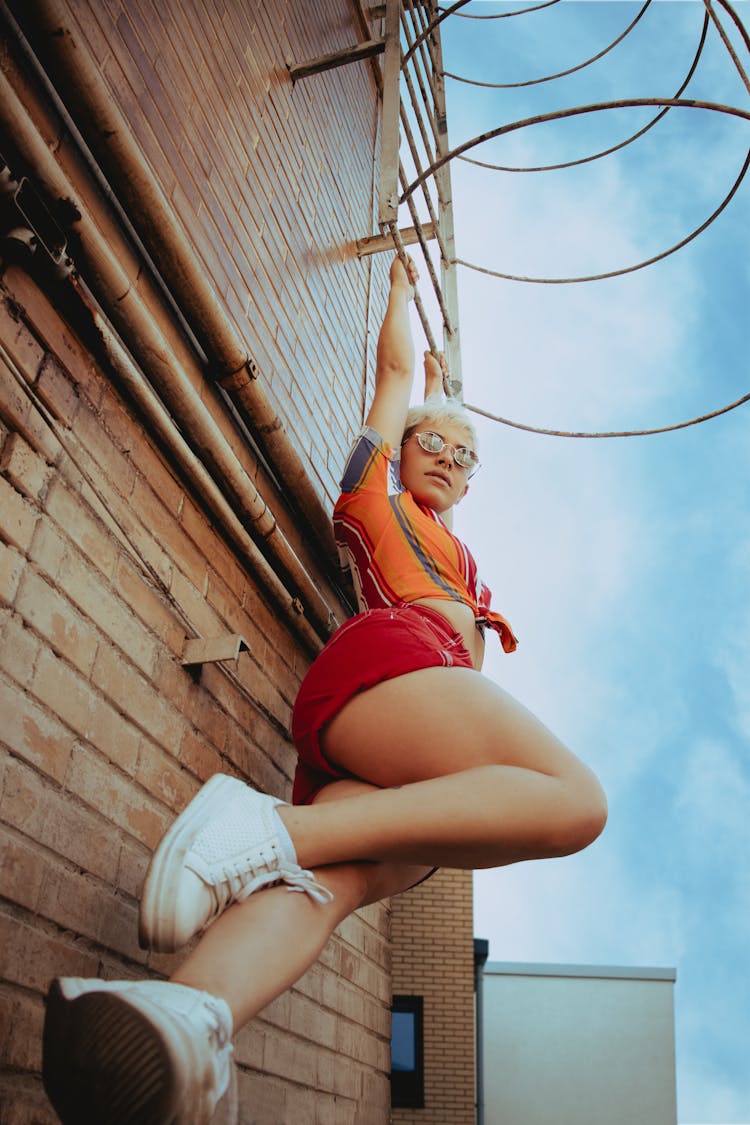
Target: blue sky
pixel 623 564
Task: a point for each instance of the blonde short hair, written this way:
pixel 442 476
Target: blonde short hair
pixel 438 411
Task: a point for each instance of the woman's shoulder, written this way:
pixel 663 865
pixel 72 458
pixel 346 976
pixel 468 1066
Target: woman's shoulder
pixel 373 439
pixel 370 456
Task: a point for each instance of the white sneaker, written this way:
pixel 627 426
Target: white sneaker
pixel 135 1052
pixel 220 849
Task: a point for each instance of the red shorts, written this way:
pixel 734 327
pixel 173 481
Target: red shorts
pixel 376 645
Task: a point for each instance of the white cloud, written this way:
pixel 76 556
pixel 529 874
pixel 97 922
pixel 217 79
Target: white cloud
pixel 733 642
pixel 713 803
pixel 586 909
pixel 623 565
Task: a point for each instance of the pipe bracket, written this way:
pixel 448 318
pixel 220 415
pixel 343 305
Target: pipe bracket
pixel 208 650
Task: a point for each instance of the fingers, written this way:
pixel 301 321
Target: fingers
pixel 404 274
pixel 435 363
pixel 411 270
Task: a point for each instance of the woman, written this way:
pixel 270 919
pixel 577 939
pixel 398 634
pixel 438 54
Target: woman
pixel 409 758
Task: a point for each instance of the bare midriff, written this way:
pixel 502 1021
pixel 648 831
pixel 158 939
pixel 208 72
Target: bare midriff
pixel 461 617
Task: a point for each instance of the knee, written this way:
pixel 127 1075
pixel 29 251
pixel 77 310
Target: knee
pixel 348 882
pixel 367 881
pixel 584 818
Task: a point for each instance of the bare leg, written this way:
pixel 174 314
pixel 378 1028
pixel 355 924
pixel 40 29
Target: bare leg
pixel 475 780
pixel 259 948
pixel 481 781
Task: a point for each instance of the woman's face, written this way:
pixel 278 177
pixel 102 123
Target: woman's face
pixel 435 479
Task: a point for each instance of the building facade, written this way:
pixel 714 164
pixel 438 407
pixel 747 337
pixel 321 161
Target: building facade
pixel 186 350
pixel 577 1045
pixel 433 983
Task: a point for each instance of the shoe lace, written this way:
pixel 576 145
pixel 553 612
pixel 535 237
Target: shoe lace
pixel 297 879
pixel 235 880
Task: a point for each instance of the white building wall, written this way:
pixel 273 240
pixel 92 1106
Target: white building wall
pixel 569 1045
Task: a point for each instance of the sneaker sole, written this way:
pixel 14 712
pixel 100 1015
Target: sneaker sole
pixel 156 918
pixel 105 1061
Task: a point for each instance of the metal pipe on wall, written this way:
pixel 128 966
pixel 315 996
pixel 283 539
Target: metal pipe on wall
pixel 119 297
pixel 130 378
pixel 110 138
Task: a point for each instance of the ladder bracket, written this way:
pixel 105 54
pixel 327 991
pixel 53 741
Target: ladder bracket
pixel 366 50
pixel 377 243
pixel 208 650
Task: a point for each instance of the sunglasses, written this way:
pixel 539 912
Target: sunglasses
pixel 461 454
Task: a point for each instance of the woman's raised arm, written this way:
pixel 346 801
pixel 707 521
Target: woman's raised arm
pixel 435 374
pixel 394 372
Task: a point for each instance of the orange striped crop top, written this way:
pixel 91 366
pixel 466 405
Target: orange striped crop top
pixel 397 549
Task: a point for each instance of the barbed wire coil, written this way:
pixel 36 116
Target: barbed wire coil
pixel 551 77
pixel 608 433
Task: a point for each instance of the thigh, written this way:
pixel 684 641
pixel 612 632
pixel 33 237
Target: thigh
pixel 380 879
pixel 438 721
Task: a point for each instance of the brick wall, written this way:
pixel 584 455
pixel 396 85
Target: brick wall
pixel 273 182
pixel 109 558
pixel 433 957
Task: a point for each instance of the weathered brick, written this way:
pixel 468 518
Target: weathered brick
pixel 300 1107
pixel 25 1044
pixel 20 415
pixel 95 598
pixel 19 517
pixel 132 693
pixel 120 801
pixel 11 568
pixel 57 621
pixel 83 837
pixel 152 513
pixel 48 548
pixel 32 733
pixel 93 538
pixel 98 454
pixel 23 797
pixel 289 1058
pixel 118 929
pixel 25 1105
pixel 73 901
pixel 26 352
pixel 160 775
pixel 203 711
pixel 21 871
pixel 172 680
pixel 65 355
pixel 74 701
pixel 6 1019
pixel 198 756
pixel 134 861
pixel 248 1045
pixel 192 601
pixel 59 394
pixel 31 956
pixel 140 593
pixel 24 468
pixel 265 1094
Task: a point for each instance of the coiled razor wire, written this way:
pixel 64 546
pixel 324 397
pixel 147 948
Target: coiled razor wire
pixel 502 15
pixel 561 114
pixel 425 175
pixel 560 74
pixel 614 148
pixel 609 433
pixel 625 269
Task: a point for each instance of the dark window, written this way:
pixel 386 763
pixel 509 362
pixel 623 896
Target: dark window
pixel 407 1059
